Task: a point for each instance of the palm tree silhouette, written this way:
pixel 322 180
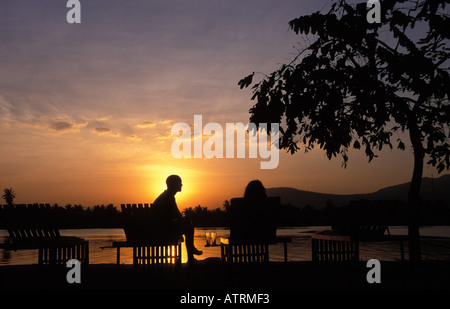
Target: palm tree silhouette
pixel 9 196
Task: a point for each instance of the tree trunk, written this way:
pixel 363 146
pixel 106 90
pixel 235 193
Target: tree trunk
pixel 414 192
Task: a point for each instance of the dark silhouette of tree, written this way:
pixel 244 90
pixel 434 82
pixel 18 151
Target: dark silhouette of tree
pixel 357 83
pixel 9 196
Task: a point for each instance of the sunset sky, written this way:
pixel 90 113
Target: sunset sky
pixel 86 110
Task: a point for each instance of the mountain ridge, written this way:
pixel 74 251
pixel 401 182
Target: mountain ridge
pixel 436 189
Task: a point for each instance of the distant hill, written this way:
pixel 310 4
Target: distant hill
pixel 432 189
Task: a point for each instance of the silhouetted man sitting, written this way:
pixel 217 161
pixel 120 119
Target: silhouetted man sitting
pixel 165 211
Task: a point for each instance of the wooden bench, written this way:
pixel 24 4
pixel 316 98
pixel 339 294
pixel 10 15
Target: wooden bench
pixel 32 227
pixel 151 254
pixel 252 230
pixel 361 224
pixel 329 246
pixel 248 252
pixel 152 244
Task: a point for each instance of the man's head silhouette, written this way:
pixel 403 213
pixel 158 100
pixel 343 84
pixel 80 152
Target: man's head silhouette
pixel 174 184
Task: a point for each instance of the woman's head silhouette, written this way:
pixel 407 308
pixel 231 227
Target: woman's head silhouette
pixel 255 189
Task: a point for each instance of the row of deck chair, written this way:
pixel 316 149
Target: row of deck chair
pixel 252 230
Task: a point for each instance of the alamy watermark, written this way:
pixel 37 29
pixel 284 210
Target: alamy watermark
pixel 74 274
pixel 374 14
pixel 374 274
pixel 213 147
pixel 74 14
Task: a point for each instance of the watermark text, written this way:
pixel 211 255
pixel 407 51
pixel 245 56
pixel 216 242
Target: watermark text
pixel 74 14
pixel 374 274
pixel 374 14
pixel 213 147
pixel 74 274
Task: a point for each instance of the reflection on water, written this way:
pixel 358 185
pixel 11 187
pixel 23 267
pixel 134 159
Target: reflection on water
pixel 298 250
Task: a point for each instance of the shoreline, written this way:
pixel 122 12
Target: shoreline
pixel 299 250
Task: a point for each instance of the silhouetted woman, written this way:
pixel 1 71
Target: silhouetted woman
pixel 253 220
pixel 255 189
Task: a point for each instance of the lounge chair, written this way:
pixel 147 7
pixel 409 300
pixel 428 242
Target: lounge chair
pixel 33 227
pixel 152 244
pixel 252 230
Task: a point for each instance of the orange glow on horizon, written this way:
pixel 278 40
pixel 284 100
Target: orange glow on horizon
pixel 102 169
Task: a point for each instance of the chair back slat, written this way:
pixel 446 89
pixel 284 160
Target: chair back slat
pixel 140 226
pixel 29 223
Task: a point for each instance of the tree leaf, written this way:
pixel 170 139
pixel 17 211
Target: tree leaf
pixel 246 81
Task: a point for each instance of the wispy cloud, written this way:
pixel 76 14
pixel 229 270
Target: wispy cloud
pixel 146 124
pixel 104 118
pixel 61 126
pixel 134 137
pixel 64 126
pixel 57 126
pixel 105 131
